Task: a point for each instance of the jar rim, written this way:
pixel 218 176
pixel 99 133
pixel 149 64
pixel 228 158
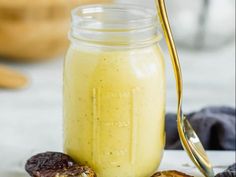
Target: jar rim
pixel 114 25
pixel 135 16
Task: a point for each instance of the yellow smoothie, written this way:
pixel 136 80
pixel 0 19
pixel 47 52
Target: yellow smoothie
pixel 114 107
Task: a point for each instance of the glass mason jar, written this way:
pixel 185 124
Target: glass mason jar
pixel 114 91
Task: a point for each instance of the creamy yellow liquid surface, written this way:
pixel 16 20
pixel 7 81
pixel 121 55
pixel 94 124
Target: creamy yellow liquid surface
pixel 114 106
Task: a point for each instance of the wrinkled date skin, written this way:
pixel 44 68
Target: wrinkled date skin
pixel 171 173
pixel 55 164
pixel 77 171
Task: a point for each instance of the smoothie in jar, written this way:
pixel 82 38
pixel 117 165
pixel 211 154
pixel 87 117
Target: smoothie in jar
pixel 114 92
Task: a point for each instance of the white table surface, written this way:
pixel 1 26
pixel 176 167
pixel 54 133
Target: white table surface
pixel 30 119
pixel 172 160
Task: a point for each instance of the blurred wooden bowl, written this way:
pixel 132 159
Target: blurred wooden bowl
pixel 35 30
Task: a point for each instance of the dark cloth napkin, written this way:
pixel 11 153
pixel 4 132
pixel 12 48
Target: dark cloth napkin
pixel 230 172
pixel 215 127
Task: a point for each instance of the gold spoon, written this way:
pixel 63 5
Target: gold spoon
pixel 188 137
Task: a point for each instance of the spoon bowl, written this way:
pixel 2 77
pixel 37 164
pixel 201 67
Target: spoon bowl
pixel 194 148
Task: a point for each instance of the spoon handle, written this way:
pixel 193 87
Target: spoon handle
pixel 172 49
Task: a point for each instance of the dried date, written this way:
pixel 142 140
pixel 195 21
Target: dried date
pixel 77 171
pixel 55 164
pixel 170 174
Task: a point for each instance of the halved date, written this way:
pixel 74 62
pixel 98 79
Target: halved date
pixel 56 164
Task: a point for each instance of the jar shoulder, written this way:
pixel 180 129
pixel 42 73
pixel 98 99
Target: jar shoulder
pixel 113 65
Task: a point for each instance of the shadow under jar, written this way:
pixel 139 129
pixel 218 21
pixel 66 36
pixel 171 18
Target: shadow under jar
pixel 114 91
